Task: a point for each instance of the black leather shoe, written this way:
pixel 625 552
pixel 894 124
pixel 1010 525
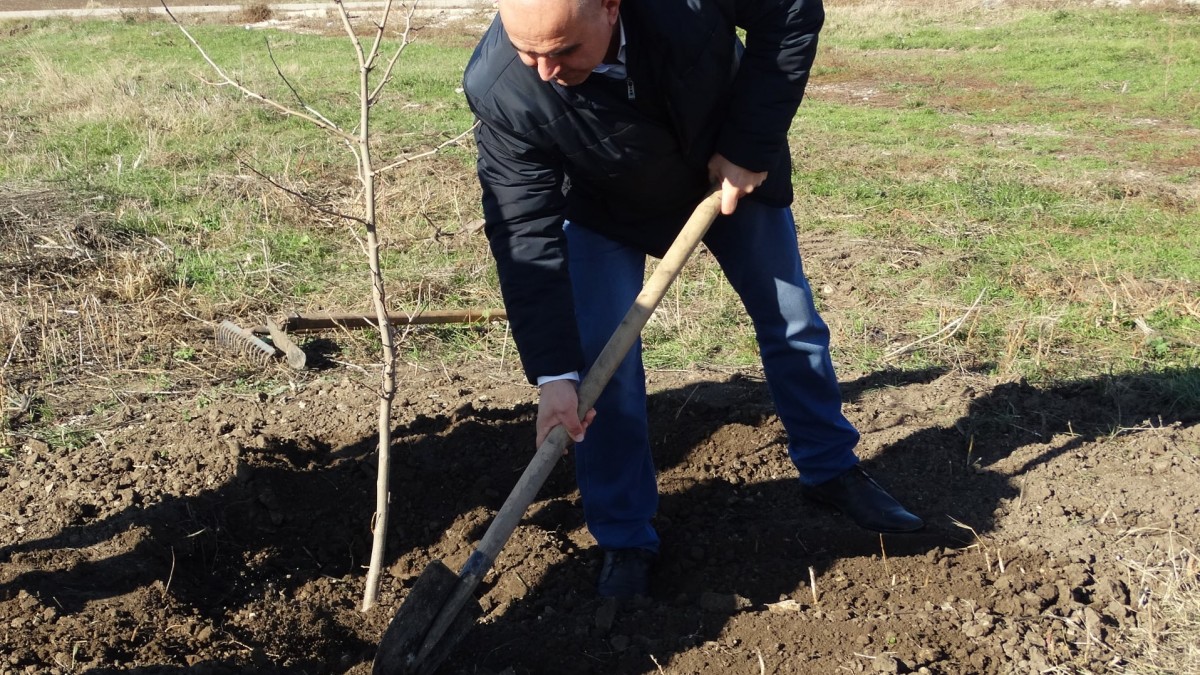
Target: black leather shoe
pixel 857 495
pixel 626 573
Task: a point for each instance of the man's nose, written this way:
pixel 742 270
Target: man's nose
pixel 547 68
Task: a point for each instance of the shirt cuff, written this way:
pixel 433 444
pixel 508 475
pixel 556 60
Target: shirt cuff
pixel 543 379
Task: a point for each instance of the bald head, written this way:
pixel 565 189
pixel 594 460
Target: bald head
pixel 563 39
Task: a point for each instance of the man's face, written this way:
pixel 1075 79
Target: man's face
pixel 563 39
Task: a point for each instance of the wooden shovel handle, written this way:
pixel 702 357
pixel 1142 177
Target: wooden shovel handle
pixel 593 384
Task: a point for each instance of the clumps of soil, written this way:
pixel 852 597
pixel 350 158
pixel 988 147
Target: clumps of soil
pixel 230 533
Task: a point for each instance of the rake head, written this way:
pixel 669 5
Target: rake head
pixel 233 337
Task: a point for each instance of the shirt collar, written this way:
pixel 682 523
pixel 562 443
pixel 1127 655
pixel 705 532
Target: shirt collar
pixel 615 69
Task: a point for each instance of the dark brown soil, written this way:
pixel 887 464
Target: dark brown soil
pixel 235 540
pixel 223 528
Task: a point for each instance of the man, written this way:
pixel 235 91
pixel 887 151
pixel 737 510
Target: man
pixel 603 124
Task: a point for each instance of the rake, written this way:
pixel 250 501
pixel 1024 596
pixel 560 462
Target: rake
pixel 233 337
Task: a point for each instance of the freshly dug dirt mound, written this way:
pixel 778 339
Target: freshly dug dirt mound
pixel 229 534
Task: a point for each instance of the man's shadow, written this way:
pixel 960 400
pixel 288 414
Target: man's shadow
pixel 296 512
pixel 755 542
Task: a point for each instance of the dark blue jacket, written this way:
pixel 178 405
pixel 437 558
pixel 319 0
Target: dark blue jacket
pixel 628 159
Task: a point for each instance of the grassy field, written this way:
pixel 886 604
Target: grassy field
pixel 1016 188
pixel 1010 190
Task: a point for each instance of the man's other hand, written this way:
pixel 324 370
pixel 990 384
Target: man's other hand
pixel 559 405
pixel 735 182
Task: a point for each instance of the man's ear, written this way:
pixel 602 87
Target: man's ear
pixel 611 10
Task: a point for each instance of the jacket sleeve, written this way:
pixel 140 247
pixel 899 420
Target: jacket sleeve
pixel 523 205
pixel 781 42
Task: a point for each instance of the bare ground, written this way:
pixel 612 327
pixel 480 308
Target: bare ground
pixel 218 519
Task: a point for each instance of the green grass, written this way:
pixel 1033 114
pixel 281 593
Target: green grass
pixel 1044 158
pixel 128 117
pixel 1049 156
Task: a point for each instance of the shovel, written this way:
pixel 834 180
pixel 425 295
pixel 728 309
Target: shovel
pixel 440 609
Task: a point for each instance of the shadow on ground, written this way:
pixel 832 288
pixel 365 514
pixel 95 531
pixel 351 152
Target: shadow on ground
pixel 296 512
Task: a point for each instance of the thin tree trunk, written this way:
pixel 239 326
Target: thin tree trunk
pixel 387 390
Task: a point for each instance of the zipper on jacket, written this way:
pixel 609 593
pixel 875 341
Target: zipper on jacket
pixel 629 89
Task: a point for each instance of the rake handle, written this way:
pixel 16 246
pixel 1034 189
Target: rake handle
pixel 305 323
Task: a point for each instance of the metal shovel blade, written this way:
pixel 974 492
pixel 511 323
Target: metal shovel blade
pixel 404 636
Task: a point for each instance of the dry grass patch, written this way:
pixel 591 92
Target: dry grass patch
pixel 1166 579
pixel 79 296
pixel 255 12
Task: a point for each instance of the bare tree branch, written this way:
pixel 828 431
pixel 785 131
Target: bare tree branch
pixel 308 201
pixel 295 93
pixel 944 334
pixel 358 50
pixel 379 27
pixel 227 80
pixel 404 42
pixel 409 158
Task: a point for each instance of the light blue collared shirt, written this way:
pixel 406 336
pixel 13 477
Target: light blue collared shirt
pixel 615 70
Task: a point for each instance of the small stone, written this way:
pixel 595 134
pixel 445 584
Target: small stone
pixel 930 654
pixel 619 642
pixel 784 606
pixel 1048 592
pixel 886 664
pixel 1116 610
pixel 975 629
pixel 876 596
pixel 1093 624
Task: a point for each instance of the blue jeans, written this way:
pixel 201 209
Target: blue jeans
pixel 757 250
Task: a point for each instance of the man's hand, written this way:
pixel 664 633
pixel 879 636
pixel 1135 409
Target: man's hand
pixel 735 182
pixel 559 405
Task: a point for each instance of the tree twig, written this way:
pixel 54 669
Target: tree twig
pixel 358 50
pixel 379 27
pixel 409 158
pixel 299 99
pixel 308 201
pixel 944 333
pixel 229 81
pixel 404 42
